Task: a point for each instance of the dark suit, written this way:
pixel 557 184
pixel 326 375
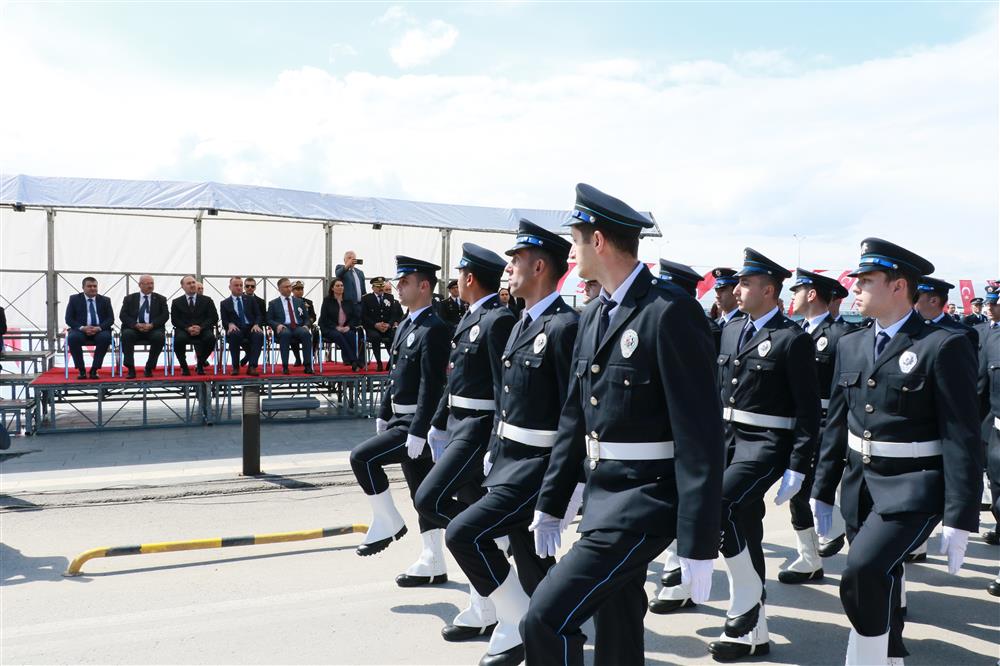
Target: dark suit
pixel 244 337
pixel 352 291
pixel 451 310
pixel 277 311
pixel 649 380
pixel 3 329
pixel 375 309
pixel 329 319
pixel 311 318
pixel 77 318
pixel 989 389
pixel 921 389
pixel 129 316
pixel 203 314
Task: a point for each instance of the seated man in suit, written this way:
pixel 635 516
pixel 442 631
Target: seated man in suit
pixel 250 290
pixel 377 319
pixel 194 318
pixel 89 317
pixel 298 291
pixel 242 320
pixel 3 329
pixel 286 315
pixel 144 317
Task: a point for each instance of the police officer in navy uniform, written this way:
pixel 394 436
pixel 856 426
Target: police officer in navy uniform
pixel 931 301
pixel 687 279
pixel 452 308
pixel 536 372
pixel 642 418
pixel 463 423
pixel 416 382
pixel 991 302
pixel 901 439
pixel 770 397
pixel 725 282
pixel 976 317
pixel 989 388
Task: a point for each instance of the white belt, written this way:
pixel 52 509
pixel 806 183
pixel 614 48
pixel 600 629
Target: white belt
pixel 475 404
pixel 824 403
pixel 759 420
pixel 996 422
pixel 868 448
pixel 597 450
pixel 403 409
pixel 543 439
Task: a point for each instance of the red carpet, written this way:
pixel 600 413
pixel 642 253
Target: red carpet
pixel 57 376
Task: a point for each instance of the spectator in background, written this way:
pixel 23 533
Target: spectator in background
pixel 953 312
pixel 242 322
pixel 3 329
pixel 452 308
pixel 977 317
pixel 144 316
pixel 89 317
pixel 298 291
pixel 338 321
pixel 287 317
pixel 194 318
pixel 250 290
pixel 353 277
pixel 591 290
pixel 201 288
pixel 396 314
pixel 377 319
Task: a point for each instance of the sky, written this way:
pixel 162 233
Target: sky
pixel 795 128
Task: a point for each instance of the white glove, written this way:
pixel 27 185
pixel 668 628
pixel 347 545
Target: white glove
pixel 381 425
pixel 791 483
pixel 487 465
pixel 575 502
pixel 697 574
pixel 547 534
pixel 438 439
pixel 953 543
pixel 415 446
pixel 822 516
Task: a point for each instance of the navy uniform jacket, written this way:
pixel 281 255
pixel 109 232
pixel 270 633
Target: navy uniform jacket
pixel 373 312
pixel 922 388
pixel 989 389
pixel 950 324
pixel 975 319
pixel 417 373
pixel 536 378
pixel 76 311
pixel 658 388
pixel 774 375
pixel 983 331
pixel 716 331
pixel 475 365
pixel 825 338
pixel 451 310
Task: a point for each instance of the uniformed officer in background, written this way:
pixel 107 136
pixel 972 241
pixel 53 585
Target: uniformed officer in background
pixel 687 279
pixel 536 370
pixel 991 321
pixel 976 317
pixel 902 433
pixel 725 282
pixel 932 297
pixel 989 387
pixel 451 308
pixel 643 414
pixel 463 424
pixel 416 381
pixel 770 397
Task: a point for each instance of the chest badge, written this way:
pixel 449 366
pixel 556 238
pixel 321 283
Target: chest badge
pixel 474 333
pixel 764 348
pixel 629 341
pixel 410 338
pixel 822 343
pixel 540 341
pixel 907 361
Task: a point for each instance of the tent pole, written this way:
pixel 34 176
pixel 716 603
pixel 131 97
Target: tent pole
pixel 51 288
pixel 197 247
pixel 328 274
pixel 445 261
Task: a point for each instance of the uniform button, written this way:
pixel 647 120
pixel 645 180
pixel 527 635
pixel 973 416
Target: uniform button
pixel 503 412
pixel 867 434
pixel 735 381
pixel 736 363
pixel 466 350
pixel 593 433
pixel 595 368
pixel 451 365
pixel 454 345
pixel 628 383
pixel 869 409
pixel 527 362
pixel 593 400
pixel 506 364
pixel 506 389
pixel 732 401
pixel 871 382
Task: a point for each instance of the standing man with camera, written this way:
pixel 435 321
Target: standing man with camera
pixel 352 275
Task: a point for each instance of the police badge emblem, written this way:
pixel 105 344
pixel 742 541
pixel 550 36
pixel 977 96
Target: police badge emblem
pixel 540 341
pixel 907 361
pixel 629 341
pixel 474 333
pixel 822 343
pixel 764 348
pixel 410 338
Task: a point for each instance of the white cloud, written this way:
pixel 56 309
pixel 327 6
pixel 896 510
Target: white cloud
pixel 764 61
pixel 419 46
pixel 339 50
pixel 394 15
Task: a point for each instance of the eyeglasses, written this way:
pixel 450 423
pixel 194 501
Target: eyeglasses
pixel 250 287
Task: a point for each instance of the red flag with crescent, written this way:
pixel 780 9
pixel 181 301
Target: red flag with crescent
pixel 968 293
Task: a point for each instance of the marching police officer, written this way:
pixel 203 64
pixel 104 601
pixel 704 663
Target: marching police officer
pixel 643 414
pixel 901 431
pixel 416 382
pixel 989 386
pixel 536 371
pixel 932 298
pixel 725 282
pixel 687 279
pixel 463 424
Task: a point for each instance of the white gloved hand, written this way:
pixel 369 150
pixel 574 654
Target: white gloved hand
pixel 547 534
pixel 822 516
pixel 487 464
pixel 697 575
pixel 438 439
pixel 791 483
pixel 381 425
pixel 575 502
pixel 953 544
pixel 415 446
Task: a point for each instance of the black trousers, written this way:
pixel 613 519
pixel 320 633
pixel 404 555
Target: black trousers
pixel 456 480
pixel 369 458
pixel 285 338
pixel 870 585
pixel 203 344
pixel 506 510
pixel 601 576
pixel 743 488
pixel 993 471
pixel 131 337
pixel 376 338
pixel 798 506
pixel 75 340
pixel 246 340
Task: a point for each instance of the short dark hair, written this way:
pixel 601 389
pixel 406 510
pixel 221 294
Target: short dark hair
pixel 824 294
pixel 556 263
pixel 911 282
pixel 488 280
pixel 776 282
pixel 282 281
pixel 88 279
pixel 423 275
pixel 626 242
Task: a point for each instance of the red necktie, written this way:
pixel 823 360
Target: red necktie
pixel 291 315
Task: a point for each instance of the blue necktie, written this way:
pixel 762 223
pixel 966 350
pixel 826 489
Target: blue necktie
pixel 746 334
pixel 239 310
pixel 607 305
pixel 143 309
pixel 880 343
pixel 93 312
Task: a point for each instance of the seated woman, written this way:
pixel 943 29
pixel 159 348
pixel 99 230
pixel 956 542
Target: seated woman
pixel 338 320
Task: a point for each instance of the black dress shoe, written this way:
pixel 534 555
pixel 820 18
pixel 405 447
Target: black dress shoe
pixel 831 548
pixel 200 370
pixel 378 367
pixel 147 372
pixel 309 370
pixel 454 633
pixel 991 537
pixel 284 369
pixel 916 557
pixel 741 625
pixel 664 606
pixel 406 580
pixel 93 375
pixel 236 371
pixel 366 549
pixel 131 373
pixel 726 651
pixel 794 577
pixel 82 374
pixel 186 371
pixel 671 578
pixel 511 657
pixel 994 588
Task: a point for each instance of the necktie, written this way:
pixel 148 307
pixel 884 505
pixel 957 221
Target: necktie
pixel 239 310
pixel 144 309
pixel 880 343
pixel 191 301
pixel 805 325
pixel 291 314
pixel 607 305
pixel 92 311
pixel 746 334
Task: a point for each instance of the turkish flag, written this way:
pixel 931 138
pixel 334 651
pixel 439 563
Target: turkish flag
pixel 707 283
pixel 968 293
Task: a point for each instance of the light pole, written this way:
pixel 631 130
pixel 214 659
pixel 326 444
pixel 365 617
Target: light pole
pixel 798 262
